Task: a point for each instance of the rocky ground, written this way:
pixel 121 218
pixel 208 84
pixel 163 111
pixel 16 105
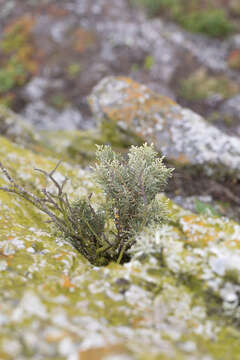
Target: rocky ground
pixel 77 73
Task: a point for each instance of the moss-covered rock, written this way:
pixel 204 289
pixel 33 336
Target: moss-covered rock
pixel 176 299
pixel 77 145
pixel 80 145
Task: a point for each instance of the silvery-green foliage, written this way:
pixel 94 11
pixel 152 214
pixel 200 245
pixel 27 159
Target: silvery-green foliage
pixel 130 185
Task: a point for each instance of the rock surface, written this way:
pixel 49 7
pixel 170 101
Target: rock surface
pixel 183 136
pixel 178 298
pixel 231 108
pixel 15 128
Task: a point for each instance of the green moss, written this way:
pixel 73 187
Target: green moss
pixel 119 138
pixel 204 209
pixel 154 7
pixel 210 22
pixel 234 59
pixel 12 75
pixel 232 276
pixel 226 346
pixel 192 15
pixel 73 70
pixel 195 285
pixel 200 85
pixel 81 145
pixel 59 101
pixel 149 62
pixel 135 67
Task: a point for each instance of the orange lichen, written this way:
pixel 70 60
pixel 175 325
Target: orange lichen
pixel 138 321
pixel 18 30
pixel 66 282
pixel 232 243
pixel 61 255
pixel 20 58
pixel 56 11
pixel 83 40
pixel 101 353
pixel 55 337
pixel 197 230
pixel 8 258
pixel 182 159
pixel 138 102
pixel 234 59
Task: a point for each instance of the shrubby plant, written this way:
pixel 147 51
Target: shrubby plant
pixel 214 23
pixel 130 186
pixel 194 16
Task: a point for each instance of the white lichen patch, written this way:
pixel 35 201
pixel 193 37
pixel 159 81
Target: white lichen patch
pixel 3 265
pixel 206 249
pixel 30 305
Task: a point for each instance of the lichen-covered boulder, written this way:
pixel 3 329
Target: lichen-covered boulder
pixel 183 136
pixel 178 298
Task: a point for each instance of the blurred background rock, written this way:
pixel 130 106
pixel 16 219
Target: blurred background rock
pixel 54 52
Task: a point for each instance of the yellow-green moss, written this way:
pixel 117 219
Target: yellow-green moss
pixel 200 85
